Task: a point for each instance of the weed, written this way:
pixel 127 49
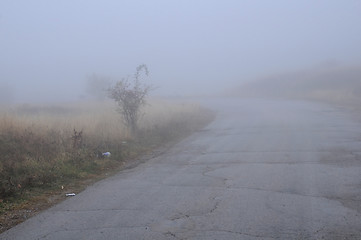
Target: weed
pixel 41 146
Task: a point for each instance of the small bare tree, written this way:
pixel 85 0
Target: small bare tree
pixel 97 86
pixel 130 95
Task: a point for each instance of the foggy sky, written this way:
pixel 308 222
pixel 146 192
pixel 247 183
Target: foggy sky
pixel 48 47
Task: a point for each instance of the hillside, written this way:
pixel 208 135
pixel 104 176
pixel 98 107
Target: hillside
pixel 334 85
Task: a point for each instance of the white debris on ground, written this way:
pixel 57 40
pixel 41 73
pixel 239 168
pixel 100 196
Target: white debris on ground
pixel 106 154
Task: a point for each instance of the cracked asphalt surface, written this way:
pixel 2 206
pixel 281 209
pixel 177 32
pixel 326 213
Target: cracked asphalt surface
pixel 261 170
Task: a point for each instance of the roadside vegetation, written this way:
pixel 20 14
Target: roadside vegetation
pixel 46 150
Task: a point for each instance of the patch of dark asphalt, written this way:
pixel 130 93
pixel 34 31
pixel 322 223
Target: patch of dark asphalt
pixel 342 158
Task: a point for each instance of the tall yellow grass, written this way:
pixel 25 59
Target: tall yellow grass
pixel 42 144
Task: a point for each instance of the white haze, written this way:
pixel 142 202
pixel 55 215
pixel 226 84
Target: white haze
pixel 47 48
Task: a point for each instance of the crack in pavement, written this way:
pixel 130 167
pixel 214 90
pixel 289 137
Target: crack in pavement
pixel 200 153
pixel 182 222
pixel 278 151
pixel 96 210
pixel 239 163
pixel 208 170
pixel 181 216
pixel 169 233
pixel 264 190
pixel 294 193
pixel 93 228
pixel 206 212
pixel 254 235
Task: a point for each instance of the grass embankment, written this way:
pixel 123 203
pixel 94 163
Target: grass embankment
pixel 337 85
pixel 50 150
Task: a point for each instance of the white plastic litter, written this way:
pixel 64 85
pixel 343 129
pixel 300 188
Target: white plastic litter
pixel 106 154
pixel 70 194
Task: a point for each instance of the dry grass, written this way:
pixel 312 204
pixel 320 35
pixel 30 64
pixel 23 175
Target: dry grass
pixel 43 148
pixel 47 146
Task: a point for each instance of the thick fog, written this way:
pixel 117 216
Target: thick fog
pixel 47 48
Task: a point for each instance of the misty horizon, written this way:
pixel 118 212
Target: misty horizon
pixel 200 47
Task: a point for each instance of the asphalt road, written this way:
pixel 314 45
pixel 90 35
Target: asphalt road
pixel 261 170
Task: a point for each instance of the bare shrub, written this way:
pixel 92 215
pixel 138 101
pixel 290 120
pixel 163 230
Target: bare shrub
pixel 130 95
pixel 77 139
